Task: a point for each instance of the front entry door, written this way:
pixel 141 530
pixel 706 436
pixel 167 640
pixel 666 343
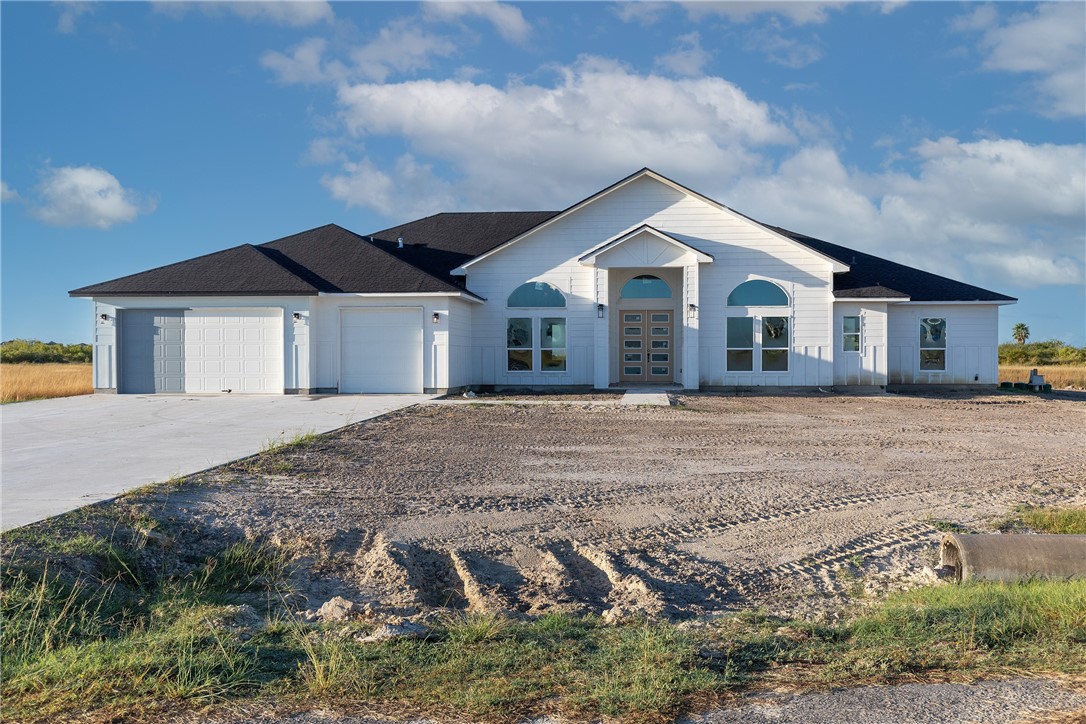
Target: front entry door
pixel 647 342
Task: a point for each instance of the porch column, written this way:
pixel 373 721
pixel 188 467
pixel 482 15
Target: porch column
pixel 602 361
pixel 691 359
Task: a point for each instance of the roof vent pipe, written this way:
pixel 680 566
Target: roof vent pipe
pixel 399 243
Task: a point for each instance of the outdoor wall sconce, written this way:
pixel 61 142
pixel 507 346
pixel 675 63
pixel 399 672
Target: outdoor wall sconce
pixel 103 317
pixel 692 311
pixel 436 317
pixel 297 316
pixel 600 311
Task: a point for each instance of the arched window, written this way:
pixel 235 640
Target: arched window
pixel 757 293
pixel 536 294
pixel 646 286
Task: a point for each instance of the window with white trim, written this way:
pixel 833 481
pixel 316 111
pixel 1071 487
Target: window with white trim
pixel 740 354
pixel 534 342
pixel 933 344
pixel 850 333
pixel 775 344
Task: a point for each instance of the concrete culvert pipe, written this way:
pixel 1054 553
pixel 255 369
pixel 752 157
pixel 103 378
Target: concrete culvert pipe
pixel 997 557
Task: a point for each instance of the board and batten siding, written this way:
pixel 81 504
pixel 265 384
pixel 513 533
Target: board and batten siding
pixel 295 339
pixel 868 366
pixel 972 334
pixel 741 249
pixel 435 337
pixel 459 330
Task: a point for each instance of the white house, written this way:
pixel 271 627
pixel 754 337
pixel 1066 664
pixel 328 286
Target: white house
pixel 645 282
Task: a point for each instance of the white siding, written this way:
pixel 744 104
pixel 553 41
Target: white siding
pixel 867 366
pixel 741 250
pixel 435 337
pixel 459 330
pixel 972 343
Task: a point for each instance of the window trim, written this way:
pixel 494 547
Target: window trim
pixel 858 334
pixel 535 326
pixel 516 289
pixel 922 349
pixel 758 347
pixel 775 283
pixel 530 347
pixel 565 349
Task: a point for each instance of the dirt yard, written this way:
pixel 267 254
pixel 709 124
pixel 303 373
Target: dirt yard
pixel 795 503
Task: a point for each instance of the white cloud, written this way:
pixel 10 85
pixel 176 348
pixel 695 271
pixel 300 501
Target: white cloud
pixel 995 211
pixel 412 189
pixel 642 12
pixel 598 122
pixel 1048 43
pixel 70 10
pixel 291 13
pixel 506 19
pixel 798 13
pixel 303 65
pixel 86 196
pixel 781 49
pixel 688 59
pixel 401 46
pixel 7 193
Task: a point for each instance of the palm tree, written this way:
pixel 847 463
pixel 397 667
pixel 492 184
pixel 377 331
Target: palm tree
pixel 1020 332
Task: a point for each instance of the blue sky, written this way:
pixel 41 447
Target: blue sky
pixel 948 136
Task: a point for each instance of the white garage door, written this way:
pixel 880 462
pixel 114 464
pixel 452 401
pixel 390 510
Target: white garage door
pixel 381 350
pixel 236 350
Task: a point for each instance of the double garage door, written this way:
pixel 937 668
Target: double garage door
pixel 201 350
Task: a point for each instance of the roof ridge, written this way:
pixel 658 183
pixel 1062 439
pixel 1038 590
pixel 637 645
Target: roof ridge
pixel 369 240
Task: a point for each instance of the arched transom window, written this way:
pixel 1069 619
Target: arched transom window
pixel 536 294
pixel 646 286
pixel 757 293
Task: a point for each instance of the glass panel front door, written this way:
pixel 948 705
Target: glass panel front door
pixel 647 346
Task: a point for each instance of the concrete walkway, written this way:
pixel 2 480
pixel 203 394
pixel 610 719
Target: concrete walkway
pixel 58 455
pixel 646 396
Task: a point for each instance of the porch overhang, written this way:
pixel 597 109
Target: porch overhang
pixel 645 246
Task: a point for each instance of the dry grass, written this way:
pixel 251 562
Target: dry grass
pixel 1058 376
pixel 21 382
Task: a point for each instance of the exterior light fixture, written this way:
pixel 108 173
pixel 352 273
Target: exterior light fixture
pixel 436 317
pixel 103 317
pixel 692 311
pixel 297 316
pixel 600 311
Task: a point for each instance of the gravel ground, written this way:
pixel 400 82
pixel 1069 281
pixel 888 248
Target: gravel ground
pixel 795 503
pixel 989 702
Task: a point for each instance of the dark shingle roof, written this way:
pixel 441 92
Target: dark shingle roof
pixel 333 259
pixel 442 242
pixel 326 259
pixel 871 276
pixel 243 269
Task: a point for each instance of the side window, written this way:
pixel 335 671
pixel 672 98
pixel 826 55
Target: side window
pixel 518 343
pixel 740 356
pixel 775 344
pixel 933 344
pixel 552 344
pixel 850 334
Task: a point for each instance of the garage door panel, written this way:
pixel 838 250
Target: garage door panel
pixel 381 350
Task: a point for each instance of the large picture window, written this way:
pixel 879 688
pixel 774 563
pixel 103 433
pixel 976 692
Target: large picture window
pixel 536 294
pixel 534 342
pixel 770 348
pixel 933 344
pixel 757 293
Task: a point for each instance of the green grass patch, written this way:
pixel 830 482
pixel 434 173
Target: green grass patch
pixel 1071 521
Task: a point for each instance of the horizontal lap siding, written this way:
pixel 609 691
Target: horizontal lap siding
pixel 739 247
pixel 972 344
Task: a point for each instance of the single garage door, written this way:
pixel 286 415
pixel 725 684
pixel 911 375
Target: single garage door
pixel 201 350
pixel 381 350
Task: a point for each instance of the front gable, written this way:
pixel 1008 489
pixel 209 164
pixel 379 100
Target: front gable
pixel 648 199
pixel 643 247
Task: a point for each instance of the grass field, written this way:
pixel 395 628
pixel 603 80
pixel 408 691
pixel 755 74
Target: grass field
pixel 21 382
pixel 1059 376
pixel 130 639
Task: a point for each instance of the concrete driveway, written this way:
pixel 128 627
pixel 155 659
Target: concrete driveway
pixel 61 454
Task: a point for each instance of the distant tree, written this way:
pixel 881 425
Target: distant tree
pixel 1020 332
